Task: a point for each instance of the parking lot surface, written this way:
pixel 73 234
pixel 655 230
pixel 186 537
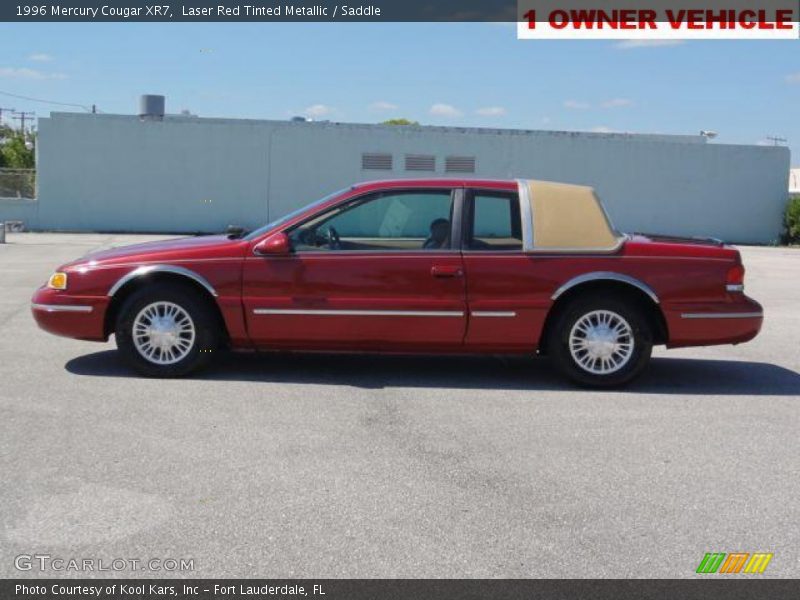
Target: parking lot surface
pixel 374 466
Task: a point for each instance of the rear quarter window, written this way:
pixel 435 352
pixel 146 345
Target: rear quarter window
pixel 496 223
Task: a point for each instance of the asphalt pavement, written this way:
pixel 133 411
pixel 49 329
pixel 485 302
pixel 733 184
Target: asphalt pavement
pixel 375 466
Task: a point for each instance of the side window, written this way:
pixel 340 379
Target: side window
pixel 401 221
pixel 496 223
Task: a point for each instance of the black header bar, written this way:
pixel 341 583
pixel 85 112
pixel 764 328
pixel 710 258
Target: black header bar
pixel 342 10
pixel 710 587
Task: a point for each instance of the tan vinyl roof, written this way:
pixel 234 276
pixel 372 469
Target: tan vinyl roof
pixel 569 217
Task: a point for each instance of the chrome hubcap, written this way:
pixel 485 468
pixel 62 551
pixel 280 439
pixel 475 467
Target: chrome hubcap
pixel 163 333
pixel 601 342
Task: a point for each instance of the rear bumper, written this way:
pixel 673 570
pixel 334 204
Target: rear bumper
pixel 708 324
pixel 80 317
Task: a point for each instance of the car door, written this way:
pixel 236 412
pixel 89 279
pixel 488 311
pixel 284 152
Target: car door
pixel 507 295
pixel 377 271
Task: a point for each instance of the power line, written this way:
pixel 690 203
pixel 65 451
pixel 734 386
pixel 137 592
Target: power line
pixel 6 108
pixel 84 107
pixel 23 116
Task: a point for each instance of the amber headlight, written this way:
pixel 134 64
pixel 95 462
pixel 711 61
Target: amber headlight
pixel 57 281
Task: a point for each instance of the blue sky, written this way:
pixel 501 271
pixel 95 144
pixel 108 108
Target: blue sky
pixel 475 74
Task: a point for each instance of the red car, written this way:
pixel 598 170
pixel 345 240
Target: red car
pixel 424 266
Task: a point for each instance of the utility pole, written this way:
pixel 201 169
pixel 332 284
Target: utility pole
pixel 23 116
pixel 2 108
pixel 776 140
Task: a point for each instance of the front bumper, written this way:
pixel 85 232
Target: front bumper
pixel 708 324
pixel 80 317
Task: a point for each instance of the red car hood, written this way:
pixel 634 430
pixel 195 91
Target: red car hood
pixel 207 246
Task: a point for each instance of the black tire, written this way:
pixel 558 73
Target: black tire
pixel 579 308
pixel 203 318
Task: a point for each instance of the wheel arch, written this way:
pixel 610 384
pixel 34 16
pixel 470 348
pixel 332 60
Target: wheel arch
pixel 147 275
pixel 624 285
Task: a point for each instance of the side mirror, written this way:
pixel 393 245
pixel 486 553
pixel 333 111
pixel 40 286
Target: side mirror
pixel 275 245
pixel 234 232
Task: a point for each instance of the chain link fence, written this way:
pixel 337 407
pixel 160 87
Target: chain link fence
pixel 18 183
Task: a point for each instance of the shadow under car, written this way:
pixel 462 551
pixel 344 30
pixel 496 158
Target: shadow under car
pixel 376 371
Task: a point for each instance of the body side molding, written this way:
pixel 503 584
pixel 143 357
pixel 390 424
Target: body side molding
pixel 723 315
pixel 78 308
pixel 147 269
pixel 605 276
pixel 359 313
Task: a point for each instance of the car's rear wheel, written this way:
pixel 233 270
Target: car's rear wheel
pixel 166 330
pixel 601 341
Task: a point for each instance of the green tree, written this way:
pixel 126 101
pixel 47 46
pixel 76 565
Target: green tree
pixel 400 122
pixel 16 153
pixel 5 134
pixel 791 220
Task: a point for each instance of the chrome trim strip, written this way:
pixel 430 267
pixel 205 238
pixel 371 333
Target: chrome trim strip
pixel 145 270
pixel 358 313
pixel 63 308
pixel 605 275
pixel 747 315
pixel 392 254
pixel 620 236
pixel 526 214
pixel 731 287
pixel 594 255
pixel 400 253
pixel 493 313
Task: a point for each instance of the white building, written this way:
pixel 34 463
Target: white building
pixel 188 174
pixel 794 183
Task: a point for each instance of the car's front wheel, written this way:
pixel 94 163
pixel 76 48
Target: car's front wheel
pixel 601 341
pixel 166 330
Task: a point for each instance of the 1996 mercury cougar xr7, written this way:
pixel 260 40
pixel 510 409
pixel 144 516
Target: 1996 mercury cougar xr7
pixel 424 266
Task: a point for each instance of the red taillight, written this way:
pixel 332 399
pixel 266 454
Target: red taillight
pixel 735 278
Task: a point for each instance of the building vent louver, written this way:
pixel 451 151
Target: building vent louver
pixel 376 161
pixel 459 164
pixel 420 162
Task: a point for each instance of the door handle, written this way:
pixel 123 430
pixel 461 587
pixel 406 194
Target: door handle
pixel 446 271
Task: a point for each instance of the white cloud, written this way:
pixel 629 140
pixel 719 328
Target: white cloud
pixel 629 44
pixel 617 103
pixel 602 129
pixel 793 78
pixel 546 120
pixel 25 73
pixel 576 105
pixel 491 111
pixel 40 57
pixel 381 105
pixel 318 110
pixel 445 110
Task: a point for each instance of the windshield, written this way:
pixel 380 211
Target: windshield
pixel 286 218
